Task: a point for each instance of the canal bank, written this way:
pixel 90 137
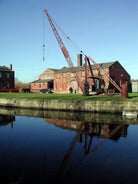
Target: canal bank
pixel 71 105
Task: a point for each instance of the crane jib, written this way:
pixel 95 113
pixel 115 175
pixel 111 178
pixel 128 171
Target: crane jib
pixel 63 48
pixel 65 52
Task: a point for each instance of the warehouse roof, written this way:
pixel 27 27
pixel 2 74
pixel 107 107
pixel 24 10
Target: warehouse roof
pixel 81 68
pixel 42 80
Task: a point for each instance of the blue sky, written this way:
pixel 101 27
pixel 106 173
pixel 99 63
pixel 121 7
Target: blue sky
pixel 105 30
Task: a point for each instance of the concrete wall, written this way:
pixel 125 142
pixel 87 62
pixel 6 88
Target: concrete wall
pixel 119 75
pixel 70 105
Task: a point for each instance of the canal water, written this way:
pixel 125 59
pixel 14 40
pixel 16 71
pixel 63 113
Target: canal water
pixel 43 147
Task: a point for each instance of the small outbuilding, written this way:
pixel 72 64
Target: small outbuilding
pixel 45 81
pixel 134 84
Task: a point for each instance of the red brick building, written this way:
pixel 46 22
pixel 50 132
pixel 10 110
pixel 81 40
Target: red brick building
pixel 46 80
pixel 6 77
pixel 64 79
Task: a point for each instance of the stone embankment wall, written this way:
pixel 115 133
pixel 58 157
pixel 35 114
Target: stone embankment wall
pixel 71 105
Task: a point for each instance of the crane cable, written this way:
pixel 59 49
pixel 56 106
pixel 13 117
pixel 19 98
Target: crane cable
pixel 43 37
pixel 71 43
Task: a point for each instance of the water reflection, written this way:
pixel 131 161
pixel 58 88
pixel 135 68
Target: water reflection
pixel 67 147
pixel 6 120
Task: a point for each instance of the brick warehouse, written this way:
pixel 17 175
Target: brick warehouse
pixel 46 80
pixel 6 77
pixel 62 79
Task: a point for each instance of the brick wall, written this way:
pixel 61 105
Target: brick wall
pixel 119 74
pixel 43 82
pixel 36 86
pixel 63 81
pixel 47 74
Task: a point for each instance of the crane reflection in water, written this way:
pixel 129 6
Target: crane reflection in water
pixel 88 137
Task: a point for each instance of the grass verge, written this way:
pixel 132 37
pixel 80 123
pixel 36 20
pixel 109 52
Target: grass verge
pixel 51 96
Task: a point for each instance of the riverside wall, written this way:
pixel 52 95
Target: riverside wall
pixel 71 105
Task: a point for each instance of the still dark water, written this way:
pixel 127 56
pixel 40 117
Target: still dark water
pixel 62 147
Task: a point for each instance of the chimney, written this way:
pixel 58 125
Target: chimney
pixel 79 59
pixel 10 66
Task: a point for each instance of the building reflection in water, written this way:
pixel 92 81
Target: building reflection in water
pixel 85 131
pixel 7 120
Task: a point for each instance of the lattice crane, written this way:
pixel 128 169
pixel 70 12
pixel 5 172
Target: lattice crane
pixel 69 61
pixel 64 50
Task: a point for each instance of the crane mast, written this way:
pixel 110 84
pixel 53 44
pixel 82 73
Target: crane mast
pixel 64 50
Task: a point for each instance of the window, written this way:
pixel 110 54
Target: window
pixel 7 75
pixel 0 74
pixel 7 84
pixel 56 76
pixel 83 74
pixel 64 86
pixel 72 75
pixel 64 74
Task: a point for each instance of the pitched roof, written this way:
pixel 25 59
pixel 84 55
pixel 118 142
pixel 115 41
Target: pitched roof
pixel 52 69
pixel 107 64
pixel 42 80
pixel 4 68
pixel 81 68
